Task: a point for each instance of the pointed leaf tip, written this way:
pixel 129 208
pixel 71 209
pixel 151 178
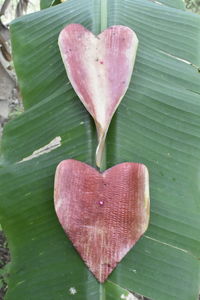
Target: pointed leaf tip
pixel 100 69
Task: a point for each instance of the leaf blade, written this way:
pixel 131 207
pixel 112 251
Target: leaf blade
pixel 163 118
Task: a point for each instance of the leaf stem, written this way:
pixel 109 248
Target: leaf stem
pixel 103 14
pixel 102 292
pixel 104 25
pixel 102 166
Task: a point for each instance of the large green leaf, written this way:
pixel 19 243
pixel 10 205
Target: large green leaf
pixel 158 123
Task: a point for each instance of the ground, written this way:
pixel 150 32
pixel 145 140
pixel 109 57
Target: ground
pixel 4 266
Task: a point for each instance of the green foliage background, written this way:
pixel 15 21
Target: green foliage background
pixel 193 5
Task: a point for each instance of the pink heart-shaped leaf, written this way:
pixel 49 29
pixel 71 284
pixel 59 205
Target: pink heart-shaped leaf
pixel 103 214
pixel 100 69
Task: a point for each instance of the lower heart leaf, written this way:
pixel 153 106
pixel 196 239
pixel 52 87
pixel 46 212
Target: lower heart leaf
pixel 104 214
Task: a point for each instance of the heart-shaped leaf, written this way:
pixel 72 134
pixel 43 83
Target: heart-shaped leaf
pixel 99 68
pixel 104 214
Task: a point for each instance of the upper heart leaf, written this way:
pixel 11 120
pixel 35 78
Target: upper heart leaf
pixel 99 69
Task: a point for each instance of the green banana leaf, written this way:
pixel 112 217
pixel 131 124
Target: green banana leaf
pixel 157 123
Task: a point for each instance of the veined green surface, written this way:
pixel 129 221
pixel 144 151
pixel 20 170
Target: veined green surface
pixel 157 123
pixel 176 4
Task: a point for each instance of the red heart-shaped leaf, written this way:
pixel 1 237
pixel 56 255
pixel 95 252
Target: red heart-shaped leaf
pixel 103 214
pixel 100 69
